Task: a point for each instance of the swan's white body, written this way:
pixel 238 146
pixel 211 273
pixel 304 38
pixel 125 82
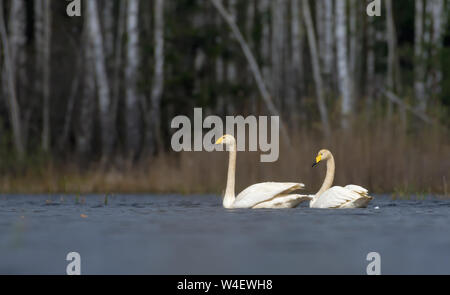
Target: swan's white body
pixel 350 196
pixel 261 195
pixel 337 197
pixel 269 195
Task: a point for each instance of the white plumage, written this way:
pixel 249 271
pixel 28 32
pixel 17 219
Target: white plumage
pixel 350 196
pixel 266 192
pixel 260 195
pixel 341 197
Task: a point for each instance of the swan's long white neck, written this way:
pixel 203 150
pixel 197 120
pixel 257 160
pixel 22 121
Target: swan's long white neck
pixel 328 182
pixel 229 196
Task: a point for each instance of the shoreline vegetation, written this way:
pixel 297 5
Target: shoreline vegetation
pixel 384 157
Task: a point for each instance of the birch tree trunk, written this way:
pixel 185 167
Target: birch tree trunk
pixel 370 60
pixel 345 84
pixel 393 83
pixel 250 22
pixel 390 37
pixel 104 97
pixel 353 22
pixel 219 71
pixel 297 43
pixel 87 105
pixel 419 66
pixel 71 104
pixel 13 106
pixel 263 9
pixel 17 42
pixel 277 49
pixel 230 66
pixel 328 52
pixel 296 64
pixel 154 131
pixel 46 75
pixel 316 67
pixel 394 65
pixel 427 34
pixel 198 24
pixel 427 49
pixel 320 28
pixel 117 69
pixel 108 28
pixel 439 23
pixel 39 45
pixel 253 65
pixel 38 33
pixel 249 27
pixel 355 41
pixel 17 38
pixel 132 113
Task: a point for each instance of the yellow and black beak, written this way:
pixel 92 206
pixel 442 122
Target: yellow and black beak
pixel 318 159
pixel 220 140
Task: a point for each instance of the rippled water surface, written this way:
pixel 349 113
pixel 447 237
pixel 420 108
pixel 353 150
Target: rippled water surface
pixel 151 234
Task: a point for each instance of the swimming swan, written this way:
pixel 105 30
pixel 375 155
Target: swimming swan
pixel 350 196
pixel 260 195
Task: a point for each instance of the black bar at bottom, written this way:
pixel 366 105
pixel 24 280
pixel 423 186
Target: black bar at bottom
pixel 204 284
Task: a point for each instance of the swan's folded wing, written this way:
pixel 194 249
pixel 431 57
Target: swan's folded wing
pixel 284 201
pixel 336 197
pixel 265 191
pixel 357 189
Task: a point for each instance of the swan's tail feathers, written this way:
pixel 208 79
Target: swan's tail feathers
pixel 365 199
pixel 359 190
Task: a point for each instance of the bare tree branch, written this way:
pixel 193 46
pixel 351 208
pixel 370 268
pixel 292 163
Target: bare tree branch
pixel 253 66
pixel 417 112
pixel 316 67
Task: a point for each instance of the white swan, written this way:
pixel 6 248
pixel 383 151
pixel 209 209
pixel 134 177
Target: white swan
pixel 260 195
pixel 350 196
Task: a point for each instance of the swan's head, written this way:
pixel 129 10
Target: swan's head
pixel 322 155
pixel 226 140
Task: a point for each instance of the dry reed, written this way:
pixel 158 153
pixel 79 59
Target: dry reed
pixel 384 157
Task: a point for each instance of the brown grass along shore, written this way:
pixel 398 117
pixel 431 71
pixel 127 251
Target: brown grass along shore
pixel 383 158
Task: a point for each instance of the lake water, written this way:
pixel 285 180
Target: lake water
pixel 171 234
